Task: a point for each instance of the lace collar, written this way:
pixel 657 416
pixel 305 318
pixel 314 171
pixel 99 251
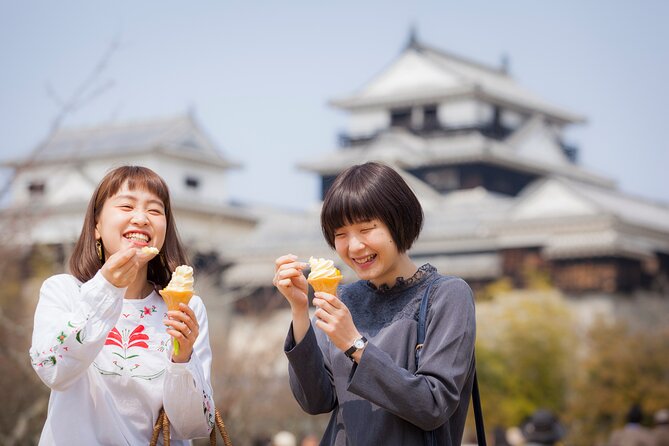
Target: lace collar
pixel 401 283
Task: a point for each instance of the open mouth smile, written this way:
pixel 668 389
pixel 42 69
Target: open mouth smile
pixel 139 238
pixel 364 260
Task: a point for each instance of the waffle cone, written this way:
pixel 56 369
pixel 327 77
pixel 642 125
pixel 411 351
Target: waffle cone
pixel 326 284
pixel 173 298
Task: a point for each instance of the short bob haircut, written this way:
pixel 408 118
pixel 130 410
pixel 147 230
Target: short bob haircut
pixel 372 191
pixel 84 263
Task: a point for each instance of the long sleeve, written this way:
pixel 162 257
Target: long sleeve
pixel 187 396
pixel 429 397
pixel 71 324
pixel 310 374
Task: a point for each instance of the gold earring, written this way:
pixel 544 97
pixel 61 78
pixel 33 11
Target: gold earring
pixel 98 248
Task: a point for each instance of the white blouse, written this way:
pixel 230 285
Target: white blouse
pixel 107 362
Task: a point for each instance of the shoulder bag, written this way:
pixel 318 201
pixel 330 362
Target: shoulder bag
pixel 476 397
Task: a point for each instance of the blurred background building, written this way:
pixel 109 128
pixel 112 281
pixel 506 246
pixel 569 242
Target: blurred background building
pixel 503 192
pixel 51 188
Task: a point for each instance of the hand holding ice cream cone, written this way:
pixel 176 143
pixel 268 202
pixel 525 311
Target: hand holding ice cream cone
pixel 179 290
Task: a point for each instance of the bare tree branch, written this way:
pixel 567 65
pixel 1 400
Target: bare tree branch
pixel 83 95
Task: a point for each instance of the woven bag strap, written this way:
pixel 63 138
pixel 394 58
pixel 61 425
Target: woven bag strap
pixel 221 428
pixel 163 424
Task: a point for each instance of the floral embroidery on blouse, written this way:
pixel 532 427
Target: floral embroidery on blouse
pixel 146 311
pixel 127 340
pixel 163 346
pixel 50 357
pixel 79 333
pixel 208 407
pixel 36 361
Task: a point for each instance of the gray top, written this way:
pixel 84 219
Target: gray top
pixel 385 399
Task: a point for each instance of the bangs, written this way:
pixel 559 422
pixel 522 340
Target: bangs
pixel 372 191
pixel 346 207
pixel 137 178
pixel 149 183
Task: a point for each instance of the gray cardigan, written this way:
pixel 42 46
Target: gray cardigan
pixel 385 400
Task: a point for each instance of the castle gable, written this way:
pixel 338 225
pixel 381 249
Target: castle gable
pixel 552 198
pixel 179 136
pixel 538 141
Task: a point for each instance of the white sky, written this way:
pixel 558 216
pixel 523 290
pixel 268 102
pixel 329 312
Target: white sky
pixel 259 74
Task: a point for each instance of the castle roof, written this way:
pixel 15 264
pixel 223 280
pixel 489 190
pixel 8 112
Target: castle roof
pixel 179 136
pixel 529 149
pixel 422 73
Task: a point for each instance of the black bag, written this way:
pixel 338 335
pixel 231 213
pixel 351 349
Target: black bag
pixel 476 397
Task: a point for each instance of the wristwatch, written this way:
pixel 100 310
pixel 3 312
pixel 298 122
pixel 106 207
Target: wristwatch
pixel 359 344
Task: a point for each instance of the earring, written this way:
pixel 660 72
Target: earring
pixel 98 249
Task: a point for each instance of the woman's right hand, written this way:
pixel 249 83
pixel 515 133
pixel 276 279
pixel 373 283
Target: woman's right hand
pixel 290 281
pixel 121 268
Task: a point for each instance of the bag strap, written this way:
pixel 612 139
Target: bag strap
pixel 420 340
pixel 422 320
pixel 163 423
pixel 478 413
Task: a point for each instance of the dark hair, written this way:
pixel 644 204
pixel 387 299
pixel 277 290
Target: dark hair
pixel 85 263
pixel 635 414
pixel 543 427
pixel 372 191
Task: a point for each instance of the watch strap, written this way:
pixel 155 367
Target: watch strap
pixel 352 349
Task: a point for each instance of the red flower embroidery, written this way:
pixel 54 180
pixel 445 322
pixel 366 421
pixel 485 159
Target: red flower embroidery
pixel 137 338
pixel 127 340
pixel 114 338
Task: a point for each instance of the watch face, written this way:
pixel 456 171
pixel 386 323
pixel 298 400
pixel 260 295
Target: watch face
pixel 359 344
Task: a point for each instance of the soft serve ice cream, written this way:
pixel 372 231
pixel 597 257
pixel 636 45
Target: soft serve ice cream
pixel 323 275
pixel 182 279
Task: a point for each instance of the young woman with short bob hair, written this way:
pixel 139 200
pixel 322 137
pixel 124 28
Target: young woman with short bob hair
pixel 102 334
pixel 360 362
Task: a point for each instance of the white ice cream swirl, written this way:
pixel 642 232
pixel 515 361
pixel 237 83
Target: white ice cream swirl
pixel 321 268
pixel 182 279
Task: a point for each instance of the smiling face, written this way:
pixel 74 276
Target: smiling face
pixel 131 218
pixel 368 248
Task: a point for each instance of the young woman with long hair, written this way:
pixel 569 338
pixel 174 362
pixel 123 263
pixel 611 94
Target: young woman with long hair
pixel 102 334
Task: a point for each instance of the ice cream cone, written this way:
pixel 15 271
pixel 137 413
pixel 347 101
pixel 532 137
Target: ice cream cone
pixel 326 284
pixel 174 297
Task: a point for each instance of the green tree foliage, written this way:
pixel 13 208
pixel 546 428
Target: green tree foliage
pixel 621 367
pixel 524 350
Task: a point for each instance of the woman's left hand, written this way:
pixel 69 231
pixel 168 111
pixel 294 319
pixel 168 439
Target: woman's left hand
pixel 334 318
pixel 182 326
